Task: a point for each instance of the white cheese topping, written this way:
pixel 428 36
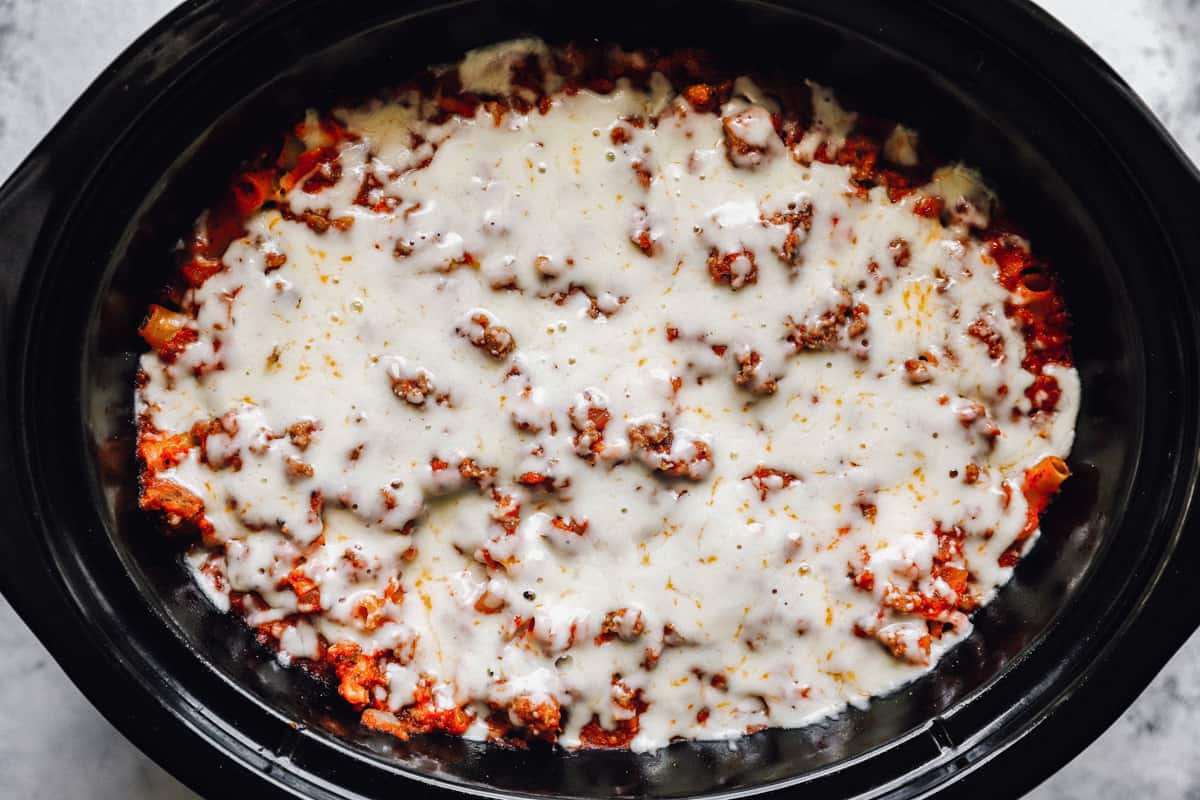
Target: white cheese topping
pixel 681 351
pixel 487 70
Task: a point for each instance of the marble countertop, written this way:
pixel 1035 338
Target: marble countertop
pixel 53 744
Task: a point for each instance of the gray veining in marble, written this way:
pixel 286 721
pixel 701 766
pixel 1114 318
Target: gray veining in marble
pixel 53 744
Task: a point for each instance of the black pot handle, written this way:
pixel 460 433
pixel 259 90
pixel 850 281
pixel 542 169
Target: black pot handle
pixel 1169 607
pixel 27 200
pixel 25 203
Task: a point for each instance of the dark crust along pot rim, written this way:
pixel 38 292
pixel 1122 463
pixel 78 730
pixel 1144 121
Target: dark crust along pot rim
pixel 997 752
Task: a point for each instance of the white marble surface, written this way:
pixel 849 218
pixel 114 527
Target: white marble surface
pixel 53 744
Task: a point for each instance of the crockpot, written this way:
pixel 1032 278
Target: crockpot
pixel 88 222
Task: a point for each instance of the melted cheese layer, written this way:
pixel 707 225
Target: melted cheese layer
pixel 618 389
